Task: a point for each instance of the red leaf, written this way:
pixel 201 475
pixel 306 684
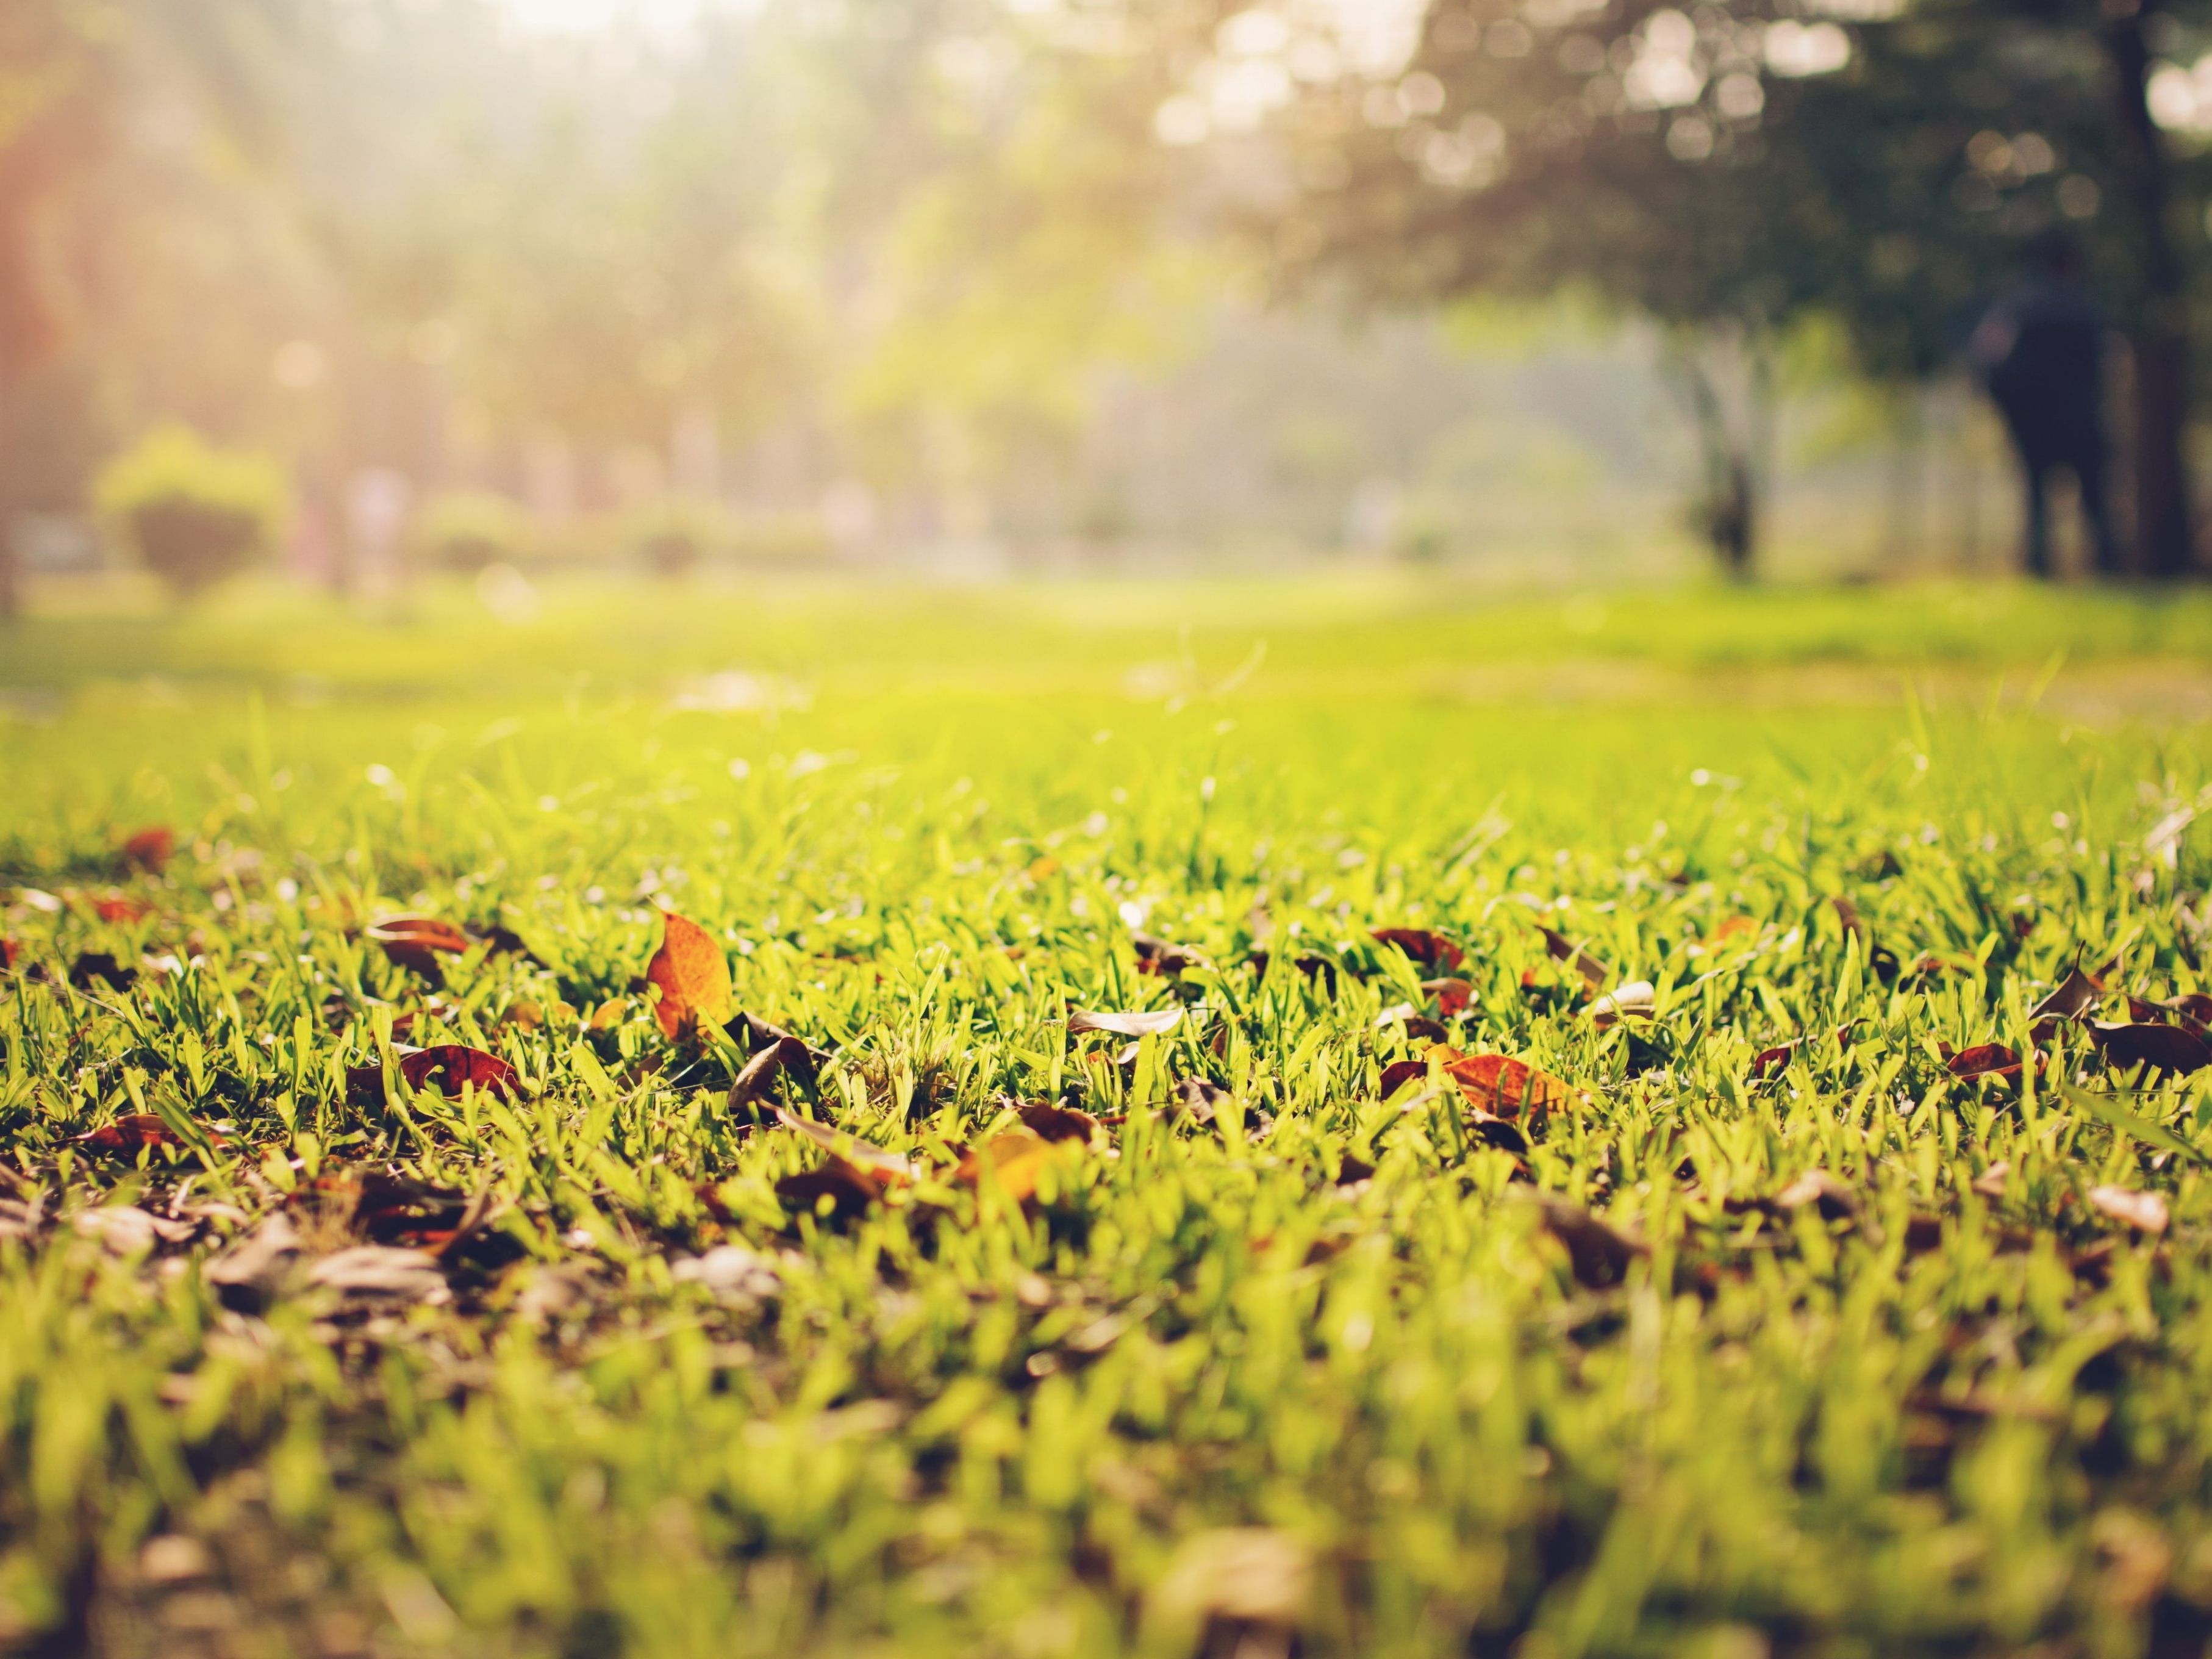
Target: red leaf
pixel 1454 996
pixel 1985 1060
pixel 121 908
pixel 1399 1073
pixel 129 1135
pixel 1432 950
pixel 694 978
pixel 150 848
pixel 1772 1060
pixel 455 1064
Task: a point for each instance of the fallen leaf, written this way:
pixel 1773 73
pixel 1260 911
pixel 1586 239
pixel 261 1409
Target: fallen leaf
pixel 1400 1072
pixel 1132 1023
pixel 1835 1199
pixel 849 1190
pixel 1985 1060
pixel 10 954
pixel 754 1081
pixel 127 1230
pixel 1232 1590
pixel 805 1062
pixel 1993 1180
pixel 100 967
pixel 149 849
pixel 1432 950
pixel 1052 1122
pixel 455 1064
pixel 380 1270
pixel 1563 949
pixel 1157 958
pixel 1509 1088
pixel 1350 1171
pixel 121 907
pixel 1638 1000
pixel 1454 997
pixel 1011 1163
pixel 880 1167
pixel 130 1134
pixel 1772 1060
pixel 2075 996
pixel 1598 1253
pixel 693 975
pixel 2144 1212
pixel 416 943
pixel 2162 1048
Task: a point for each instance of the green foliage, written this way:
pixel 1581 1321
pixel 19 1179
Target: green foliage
pixel 190 512
pixel 472 530
pixel 1206 1391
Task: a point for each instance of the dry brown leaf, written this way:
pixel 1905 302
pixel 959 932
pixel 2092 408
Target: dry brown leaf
pixel 694 978
pixel 1991 1060
pixel 760 1072
pixel 1598 1253
pixel 2075 996
pixel 1563 949
pixel 2145 1211
pixel 1052 1122
pixel 416 943
pixel 1835 1199
pixel 2162 1048
pixel 882 1169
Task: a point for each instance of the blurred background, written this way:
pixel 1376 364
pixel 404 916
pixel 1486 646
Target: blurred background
pixel 1531 290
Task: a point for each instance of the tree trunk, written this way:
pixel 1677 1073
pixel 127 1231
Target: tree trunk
pixel 2159 327
pixel 1727 509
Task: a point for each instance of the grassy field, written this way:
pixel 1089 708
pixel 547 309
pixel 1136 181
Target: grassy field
pixel 1763 1316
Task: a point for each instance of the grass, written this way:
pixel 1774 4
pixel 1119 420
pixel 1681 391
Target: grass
pixel 1622 1385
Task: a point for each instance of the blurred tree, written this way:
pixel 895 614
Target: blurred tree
pixel 89 88
pixel 1732 169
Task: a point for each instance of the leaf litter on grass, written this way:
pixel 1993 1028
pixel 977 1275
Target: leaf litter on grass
pixel 1443 1288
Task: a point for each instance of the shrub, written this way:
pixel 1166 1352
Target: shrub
pixel 472 530
pixel 191 513
pixel 672 535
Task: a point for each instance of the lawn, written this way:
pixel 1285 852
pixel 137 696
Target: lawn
pixel 1071 1230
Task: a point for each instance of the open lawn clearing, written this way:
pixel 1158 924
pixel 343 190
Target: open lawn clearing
pixel 1830 1273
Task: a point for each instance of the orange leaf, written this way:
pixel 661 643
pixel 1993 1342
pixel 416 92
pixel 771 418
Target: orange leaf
pixel 693 975
pixel 1505 1087
pixel 1010 1164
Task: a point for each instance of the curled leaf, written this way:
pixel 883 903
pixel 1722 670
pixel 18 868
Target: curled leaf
pixel 2075 996
pixel 1768 1060
pixel 1985 1060
pixel 693 975
pixel 1454 996
pixel 1136 1023
pixel 759 1075
pixel 1638 1000
pixel 416 943
pixel 1563 949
